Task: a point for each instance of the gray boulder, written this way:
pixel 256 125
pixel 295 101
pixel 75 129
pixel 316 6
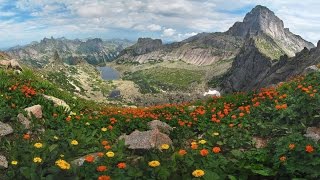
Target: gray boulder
pixel 5 129
pixel 57 102
pixel 3 162
pixel 161 126
pixel 36 110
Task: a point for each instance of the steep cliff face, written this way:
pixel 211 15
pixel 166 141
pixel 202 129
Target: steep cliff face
pixel 93 51
pixel 262 20
pixel 252 69
pixel 248 68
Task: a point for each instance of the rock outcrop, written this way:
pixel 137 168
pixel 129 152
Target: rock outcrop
pixel 35 110
pixel 3 162
pixel 5 129
pixel 57 102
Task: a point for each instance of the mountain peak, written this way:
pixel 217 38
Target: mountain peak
pixel 259 19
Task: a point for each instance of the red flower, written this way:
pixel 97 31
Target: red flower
pixel 182 152
pixel 204 152
pixel 216 150
pixel 101 168
pixel 89 159
pixel 104 177
pixel 122 165
pixel 309 149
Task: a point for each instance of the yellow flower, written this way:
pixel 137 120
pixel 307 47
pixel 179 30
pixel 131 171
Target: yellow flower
pixel 63 164
pixel 87 124
pixel 14 162
pixel 202 141
pixel 61 155
pixel 74 142
pixel 198 173
pixel 165 146
pixel 154 163
pixel 110 154
pixel 55 137
pixel 104 129
pixel 37 160
pixel 38 145
pixel 215 134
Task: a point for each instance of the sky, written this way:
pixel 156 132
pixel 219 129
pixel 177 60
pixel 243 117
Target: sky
pixel 24 21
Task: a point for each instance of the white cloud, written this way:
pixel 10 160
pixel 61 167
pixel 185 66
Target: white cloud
pixel 168 32
pixel 154 27
pixel 172 20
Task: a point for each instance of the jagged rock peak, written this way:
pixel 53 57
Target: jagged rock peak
pixel 258 19
pixel 145 45
pixel 149 40
pixel 318 45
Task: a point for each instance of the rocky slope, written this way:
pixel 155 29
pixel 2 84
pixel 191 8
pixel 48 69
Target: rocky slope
pixel 94 51
pixel 252 69
pixel 208 48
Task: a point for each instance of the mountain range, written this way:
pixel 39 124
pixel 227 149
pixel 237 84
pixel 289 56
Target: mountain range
pixel 94 51
pixel 261 24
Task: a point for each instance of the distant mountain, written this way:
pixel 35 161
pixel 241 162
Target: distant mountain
pixel 94 51
pixel 268 31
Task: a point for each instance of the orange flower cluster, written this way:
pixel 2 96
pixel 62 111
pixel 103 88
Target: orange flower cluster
pixel 282 106
pixel 28 91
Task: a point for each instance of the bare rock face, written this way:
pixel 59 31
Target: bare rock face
pixel 57 102
pixel 3 162
pixel 145 45
pixel 5 129
pixel 24 121
pixel 146 139
pixel 36 110
pixel 161 126
pixel 11 64
pixel 311 69
pixel 261 19
pixel 313 133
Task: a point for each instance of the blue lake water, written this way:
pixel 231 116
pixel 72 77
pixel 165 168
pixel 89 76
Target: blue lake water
pixel 108 73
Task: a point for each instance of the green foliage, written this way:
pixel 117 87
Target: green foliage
pixel 228 123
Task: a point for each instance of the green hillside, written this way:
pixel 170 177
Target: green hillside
pixel 255 135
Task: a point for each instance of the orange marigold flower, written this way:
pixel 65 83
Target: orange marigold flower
pixel 100 154
pixel 284 106
pixel 233 116
pixel 283 158
pixel 104 143
pixel 101 168
pixel 107 147
pixel 194 146
pixel 104 177
pixel 182 152
pixel 26 136
pixel 89 159
pixel 241 114
pixel 292 146
pixel 309 149
pixel 216 150
pixel 122 165
pixel 204 152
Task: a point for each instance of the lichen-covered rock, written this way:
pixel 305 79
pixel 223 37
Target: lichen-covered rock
pixel 24 121
pixel 36 110
pixel 146 139
pixel 313 133
pixel 3 162
pixel 57 102
pixel 161 126
pixel 5 129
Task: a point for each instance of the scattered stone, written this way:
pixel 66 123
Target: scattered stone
pixel 146 139
pixel 14 65
pixel 80 161
pixel 313 133
pixel 36 110
pixel 212 93
pixel 57 102
pixel 161 126
pixel 23 120
pixel 5 129
pixel 260 142
pixel 311 69
pixel 3 162
pixel 115 94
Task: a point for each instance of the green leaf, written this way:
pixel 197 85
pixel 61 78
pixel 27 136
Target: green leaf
pixel 232 177
pixel 52 147
pixel 209 175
